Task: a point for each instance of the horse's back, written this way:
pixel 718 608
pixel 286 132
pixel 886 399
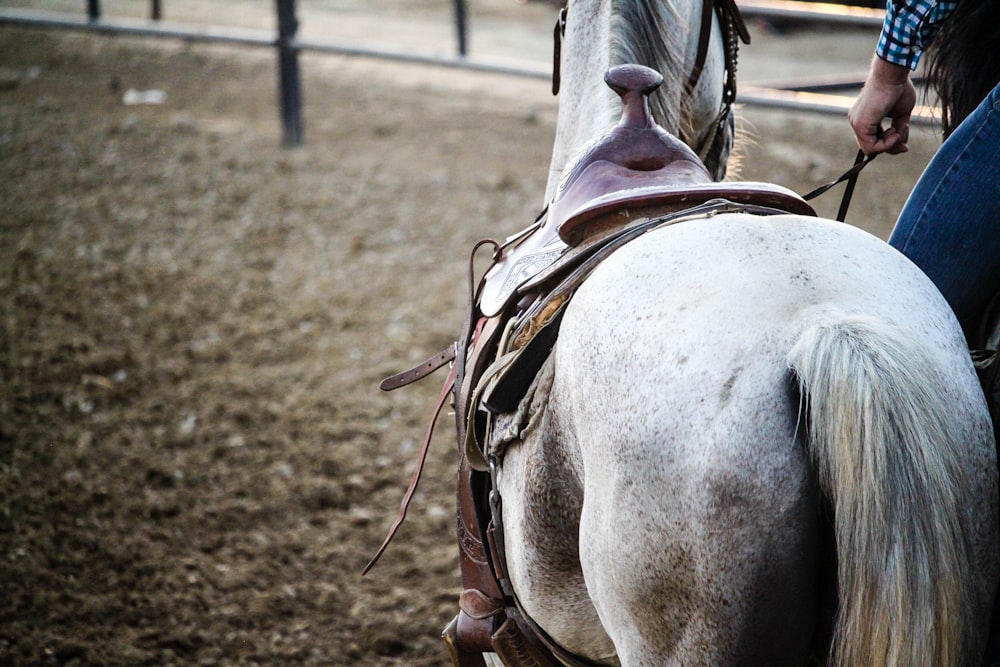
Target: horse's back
pixel 730 292
pixel 701 533
pixel 766 270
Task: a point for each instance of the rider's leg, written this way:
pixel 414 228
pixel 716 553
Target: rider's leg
pixel 950 228
pixel 950 225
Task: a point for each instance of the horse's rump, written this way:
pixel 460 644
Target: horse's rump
pixel 699 537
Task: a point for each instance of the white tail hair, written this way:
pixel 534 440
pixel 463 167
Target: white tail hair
pixel 887 456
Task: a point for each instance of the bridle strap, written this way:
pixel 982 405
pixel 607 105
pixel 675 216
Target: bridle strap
pixel 557 35
pixel 703 38
pixel 734 28
pixel 851 176
pixel 734 31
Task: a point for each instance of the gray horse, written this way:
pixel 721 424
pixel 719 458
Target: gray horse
pixel 759 440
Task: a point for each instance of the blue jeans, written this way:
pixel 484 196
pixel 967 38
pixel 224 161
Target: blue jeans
pixel 950 225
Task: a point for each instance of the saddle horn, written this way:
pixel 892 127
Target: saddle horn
pixel 634 84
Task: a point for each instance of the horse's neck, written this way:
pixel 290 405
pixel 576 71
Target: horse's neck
pixel 587 107
pixel 603 33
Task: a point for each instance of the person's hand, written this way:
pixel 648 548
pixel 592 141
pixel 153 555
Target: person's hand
pixel 888 93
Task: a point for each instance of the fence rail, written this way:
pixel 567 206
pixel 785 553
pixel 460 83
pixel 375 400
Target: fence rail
pixel 813 95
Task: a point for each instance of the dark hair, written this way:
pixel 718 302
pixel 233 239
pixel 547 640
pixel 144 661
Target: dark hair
pixel 964 60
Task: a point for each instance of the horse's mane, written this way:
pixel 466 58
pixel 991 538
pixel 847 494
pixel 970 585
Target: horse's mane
pixel 637 36
pixel 964 60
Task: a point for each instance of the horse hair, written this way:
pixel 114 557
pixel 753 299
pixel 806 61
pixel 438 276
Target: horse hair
pixel 877 426
pixel 637 38
pixel 964 60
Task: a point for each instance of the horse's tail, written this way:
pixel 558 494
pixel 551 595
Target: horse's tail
pixel 887 457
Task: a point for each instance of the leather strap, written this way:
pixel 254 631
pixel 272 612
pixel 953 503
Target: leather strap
pixel 557 35
pixel 734 31
pixel 459 656
pixel 446 390
pixel 703 38
pixel 420 371
pixel 732 10
pixel 851 176
pixel 452 385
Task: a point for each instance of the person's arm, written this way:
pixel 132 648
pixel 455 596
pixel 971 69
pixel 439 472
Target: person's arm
pixel 888 92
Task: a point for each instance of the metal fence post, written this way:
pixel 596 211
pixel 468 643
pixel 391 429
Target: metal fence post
pixel 461 23
pixel 288 66
pixel 155 12
pixel 93 10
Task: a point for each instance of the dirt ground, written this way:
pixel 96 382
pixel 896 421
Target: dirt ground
pixel 195 460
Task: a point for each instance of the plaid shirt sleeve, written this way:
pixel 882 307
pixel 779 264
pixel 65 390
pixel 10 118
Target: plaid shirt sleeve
pixel 908 28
